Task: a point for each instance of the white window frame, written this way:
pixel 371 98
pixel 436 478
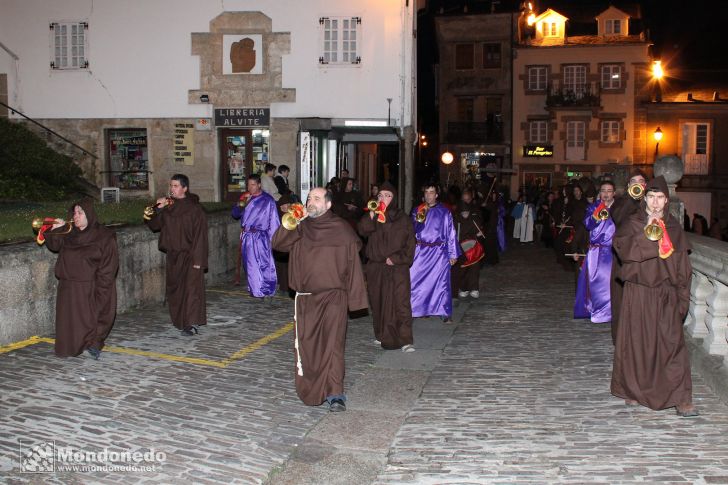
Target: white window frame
pixel 696 138
pixel 68 45
pixel 538 131
pixel 610 131
pixel 575 79
pixel 550 29
pixel 341 41
pixel 611 76
pixel 537 78
pixel 613 26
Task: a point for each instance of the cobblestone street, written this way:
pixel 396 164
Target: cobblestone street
pixel 515 392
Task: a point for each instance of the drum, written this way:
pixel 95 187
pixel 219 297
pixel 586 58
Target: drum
pixel 473 252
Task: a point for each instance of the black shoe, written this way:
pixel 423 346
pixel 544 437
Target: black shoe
pixel 189 331
pixel 95 353
pixel 337 406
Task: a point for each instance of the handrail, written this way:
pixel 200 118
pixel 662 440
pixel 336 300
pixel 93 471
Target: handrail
pixel 50 130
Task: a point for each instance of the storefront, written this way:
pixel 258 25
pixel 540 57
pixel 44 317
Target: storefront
pixel 128 157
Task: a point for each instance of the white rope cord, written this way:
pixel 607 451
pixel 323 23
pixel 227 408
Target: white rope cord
pixel 299 365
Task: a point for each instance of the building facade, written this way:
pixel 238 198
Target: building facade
pixel 215 90
pixel 575 98
pixel 474 92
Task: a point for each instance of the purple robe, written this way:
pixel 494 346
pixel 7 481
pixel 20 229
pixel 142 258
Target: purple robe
pixel 430 272
pixel 259 221
pixel 592 289
pixel 500 229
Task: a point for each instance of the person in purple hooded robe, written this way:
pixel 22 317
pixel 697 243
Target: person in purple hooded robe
pixel 259 221
pixel 592 290
pixel 436 251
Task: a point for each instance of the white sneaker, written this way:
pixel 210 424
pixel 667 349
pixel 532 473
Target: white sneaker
pixel 463 294
pixel 475 294
pixel 408 348
pixel 377 342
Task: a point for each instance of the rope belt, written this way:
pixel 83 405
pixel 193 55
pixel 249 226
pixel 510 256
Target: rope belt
pixel 299 365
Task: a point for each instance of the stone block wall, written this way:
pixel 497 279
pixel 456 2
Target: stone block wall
pixel 28 284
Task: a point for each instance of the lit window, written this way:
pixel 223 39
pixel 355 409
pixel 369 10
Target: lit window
pixel 69 45
pixel 610 131
pixel 611 76
pixel 550 29
pixel 575 80
pixel 537 78
pixel 341 37
pixel 696 147
pixel 128 157
pixel 537 131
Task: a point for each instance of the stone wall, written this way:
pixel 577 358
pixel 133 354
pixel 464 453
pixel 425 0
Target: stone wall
pixel 28 285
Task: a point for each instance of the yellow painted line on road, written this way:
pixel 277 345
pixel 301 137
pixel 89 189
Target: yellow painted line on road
pixel 240 354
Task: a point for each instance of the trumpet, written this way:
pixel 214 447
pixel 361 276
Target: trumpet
pixel 636 191
pixel 39 222
pixel 372 205
pixel 151 209
pixel 653 231
pixel 244 199
pixel 293 217
pixel 421 215
pixel 603 215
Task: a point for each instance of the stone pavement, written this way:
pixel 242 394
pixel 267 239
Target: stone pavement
pixel 515 392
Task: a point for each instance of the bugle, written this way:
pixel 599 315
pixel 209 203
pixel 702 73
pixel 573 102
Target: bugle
pixel 151 209
pixel 421 215
pixel 653 231
pixel 636 191
pixel 293 217
pixel 603 215
pixel 372 205
pixel 39 222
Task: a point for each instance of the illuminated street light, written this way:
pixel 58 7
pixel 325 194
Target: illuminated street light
pixel 447 158
pixel 658 136
pixel 657 71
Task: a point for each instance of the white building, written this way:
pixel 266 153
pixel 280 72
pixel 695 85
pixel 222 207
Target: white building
pixel 215 89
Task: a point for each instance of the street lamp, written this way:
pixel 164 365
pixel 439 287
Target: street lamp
pixel 447 158
pixel 657 71
pixel 658 136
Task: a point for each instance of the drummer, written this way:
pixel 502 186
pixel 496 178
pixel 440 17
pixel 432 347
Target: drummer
pixel 468 224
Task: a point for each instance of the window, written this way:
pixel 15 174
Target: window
pixel 465 109
pixel 550 29
pixel 575 140
pixel 537 78
pixel 612 76
pixel 491 55
pixel 341 38
pixel 696 147
pixel 464 56
pixel 69 44
pixel 613 26
pixel 575 80
pixel 610 131
pixel 537 131
pixel 128 158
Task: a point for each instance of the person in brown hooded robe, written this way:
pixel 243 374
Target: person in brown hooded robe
pixel 624 206
pixel 182 224
pixel 651 362
pixel 325 270
pixel 88 260
pixel 391 250
pixel 348 203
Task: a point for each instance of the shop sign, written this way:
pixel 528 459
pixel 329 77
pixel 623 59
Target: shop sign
pixel 538 151
pixel 242 117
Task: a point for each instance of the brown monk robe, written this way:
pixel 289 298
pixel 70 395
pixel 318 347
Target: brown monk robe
pixel 183 236
pixel 86 270
pixel 622 208
pixel 325 270
pixel 388 285
pixel 651 362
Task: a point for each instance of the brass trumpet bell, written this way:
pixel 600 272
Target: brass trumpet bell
pixel 653 231
pixel 603 215
pixel 289 221
pixel 372 205
pixel 421 216
pixel 39 222
pixel 636 191
pixel 148 212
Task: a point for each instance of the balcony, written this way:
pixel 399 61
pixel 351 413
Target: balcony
pixel 476 133
pixel 584 96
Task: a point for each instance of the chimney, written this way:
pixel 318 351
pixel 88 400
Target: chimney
pixel 716 96
pixel 690 97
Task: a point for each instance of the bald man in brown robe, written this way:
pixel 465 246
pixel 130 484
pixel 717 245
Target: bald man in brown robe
pixel 86 270
pixel 391 250
pixel 183 236
pixel 651 362
pixel 325 270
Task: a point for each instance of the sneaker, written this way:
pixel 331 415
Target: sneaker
pixel 475 294
pixel 463 294
pixel 377 342
pixel 408 348
pixel 189 331
pixel 95 353
pixel 337 406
